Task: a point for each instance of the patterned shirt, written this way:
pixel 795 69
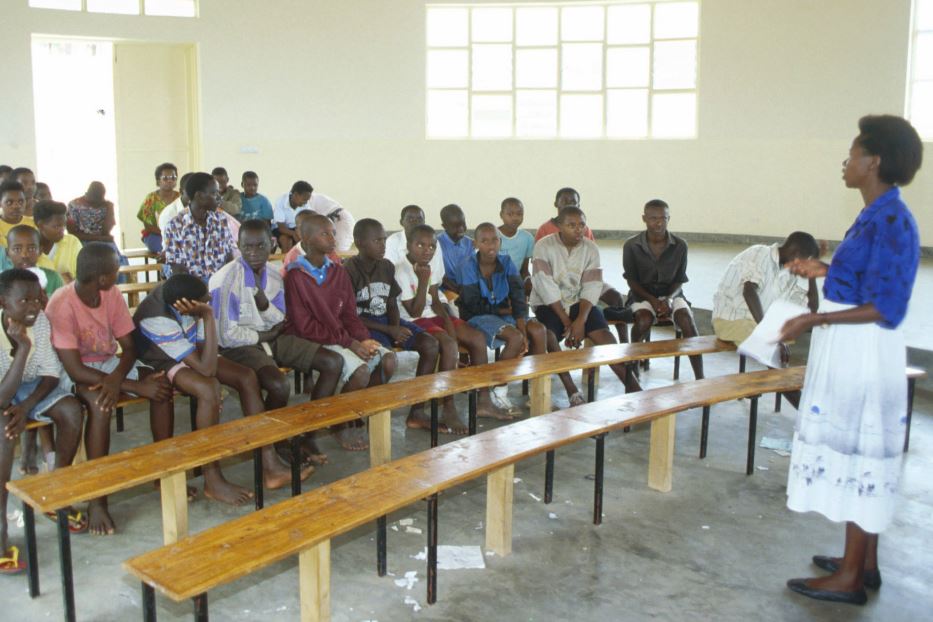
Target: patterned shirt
pixel 42 360
pixel 88 218
pixel 148 213
pixel 759 264
pixel 203 250
pixel 239 320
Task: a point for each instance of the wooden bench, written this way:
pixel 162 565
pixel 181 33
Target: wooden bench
pixel 169 460
pixel 305 525
pixel 139 253
pixel 133 290
pixel 144 268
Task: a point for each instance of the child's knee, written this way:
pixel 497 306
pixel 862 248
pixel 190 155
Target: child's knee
pixel 328 362
pixel 643 320
pixel 389 364
pixel 360 376
pixel 446 343
pixel 69 414
pixel 278 386
pixel 426 345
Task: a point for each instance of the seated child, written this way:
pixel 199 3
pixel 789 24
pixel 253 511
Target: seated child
pixel 90 217
pixel 176 334
pixel 655 265
pixel 89 320
pixel 59 250
pixel 26 177
pixel 13 206
pixel 43 192
pixel 454 244
pixel 253 205
pixel 22 251
pixel 29 391
pixel 179 205
pixel 286 208
pixel 517 243
pixel 321 307
pixel 567 281
pixel 298 250
pixel 424 305
pixel 397 243
pixel 198 240
pixel 248 299
pixel 373 279
pixel 229 196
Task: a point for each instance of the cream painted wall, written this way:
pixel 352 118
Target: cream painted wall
pixel 333 91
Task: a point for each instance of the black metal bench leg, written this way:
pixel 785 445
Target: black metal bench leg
pixel 777 402
pixel 742 362
pixel 752 429
pixel 432 549
pixel 119 418
pixel 149 606
pixel 472 412
pixel 193 412
pixel 294 446
pixel 434 422
pixel 598 487
pixel 549 476
pixel 32 552
pixel 524 387
pixel 257 478
pixel 200 608
pixel 381 536
pixel 911 385
pixel 591 384
pixel 704 432
pixel 64 553
pixel 297 381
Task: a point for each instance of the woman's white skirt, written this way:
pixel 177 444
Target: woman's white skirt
pixel 849 435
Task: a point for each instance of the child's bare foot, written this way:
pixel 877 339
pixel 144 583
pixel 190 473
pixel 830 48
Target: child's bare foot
pixel 273 480
pixel 418 419
pixel 100 523
pixel 485 408
pixel 225 492
pixel 310 450
pixel 451 423
pixel 352 438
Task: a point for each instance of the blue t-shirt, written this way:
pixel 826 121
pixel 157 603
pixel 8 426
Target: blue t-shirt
pixel 877 261
pixel 478 298
pixel 255 207
pixel 454 253
pixel 519 247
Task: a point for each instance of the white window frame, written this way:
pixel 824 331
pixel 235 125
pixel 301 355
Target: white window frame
pixel 558 46
pixel 914 61
pixel 140 12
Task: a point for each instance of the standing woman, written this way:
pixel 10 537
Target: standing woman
pixel 849 434
pixel 166 176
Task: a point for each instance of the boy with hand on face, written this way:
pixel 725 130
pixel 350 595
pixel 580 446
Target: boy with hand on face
pixel 321 304
pixel 397 243
pixel 454 244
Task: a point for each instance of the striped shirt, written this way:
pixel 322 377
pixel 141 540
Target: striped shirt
pixel 42 360
pixel 239 320
pixel 759 264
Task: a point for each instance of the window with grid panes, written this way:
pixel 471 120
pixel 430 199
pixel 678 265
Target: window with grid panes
pixel 920 80
pixel 169 8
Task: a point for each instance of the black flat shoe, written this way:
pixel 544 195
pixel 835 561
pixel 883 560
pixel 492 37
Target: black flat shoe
pixel 872 578
pixel 858 597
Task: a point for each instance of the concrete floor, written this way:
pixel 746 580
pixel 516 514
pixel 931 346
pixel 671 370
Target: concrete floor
pixel 719 546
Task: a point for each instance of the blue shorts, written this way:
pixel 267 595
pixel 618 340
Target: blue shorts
pixel 38 412
pixel 594 321
pixel 491 325
pixel 385 340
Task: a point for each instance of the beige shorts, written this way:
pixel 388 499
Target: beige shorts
pixel 677 304
pixel 735 331
pixel 351 362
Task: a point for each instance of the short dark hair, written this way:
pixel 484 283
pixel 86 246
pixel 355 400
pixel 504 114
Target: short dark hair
pixel 803 243
pixel 365 226
pixel 219 170
pixel 180 286
pixel 307 222
pixel 426 229
pixel 15 275
pixel 10 185
pixel 254 225
pixel 5 168
pixel 45 210
pixel 570 210
pixel 95 259
pixel 408 208
pixel 42 184
pixel 301 187
pixel 183 180
pixel 198 182
pixel 656 203
pixel 896 141
pixel 20 170
pixel 511 201
pixel 565 190
pixel 249 175
pixel 18 229
pixel 482 227
pixel 165 166
pixel 451 210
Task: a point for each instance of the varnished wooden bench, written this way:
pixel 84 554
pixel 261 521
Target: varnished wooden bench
pixel 305 525
pixel 133 290
pixel 169 460
pixel 139 253
pixel 144 268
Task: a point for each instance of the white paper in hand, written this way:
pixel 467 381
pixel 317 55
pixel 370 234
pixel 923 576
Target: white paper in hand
pixel 762 345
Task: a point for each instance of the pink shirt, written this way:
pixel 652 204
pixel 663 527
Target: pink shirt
pixel 549 227
pixel 92 332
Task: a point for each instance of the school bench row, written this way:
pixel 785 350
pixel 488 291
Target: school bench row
pixel 306 524
pixel 168 461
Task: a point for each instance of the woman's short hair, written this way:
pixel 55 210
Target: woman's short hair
pixel 896 141
pixel 165 166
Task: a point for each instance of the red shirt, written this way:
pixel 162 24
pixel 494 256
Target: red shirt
pixel 550 227
pixel 324 313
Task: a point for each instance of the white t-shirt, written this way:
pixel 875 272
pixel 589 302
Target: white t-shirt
pixel 170 211
pixel 282 211
pixel 397 249
pixel 408 282
pixel 758 264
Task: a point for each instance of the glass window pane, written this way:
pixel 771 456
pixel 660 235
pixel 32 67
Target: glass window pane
pixel 123 7
pixel 448 69
pixel 536 68
pixel 581 116
pixel 673 115
pixel 536 26
pixel 676 20
pixel 581 66
pixel 447 114
pixel 174 8
pixel 923 56
pixel 493 24
pixel 492 67
pixel 629 23
pixel 924 16
pixel 921 108
pixel 582 23
pixel 447 27
pixel 627 66
pixel 536 114
pixel 627 113
pixel 675 65
pixel 66 5
pixel 491 116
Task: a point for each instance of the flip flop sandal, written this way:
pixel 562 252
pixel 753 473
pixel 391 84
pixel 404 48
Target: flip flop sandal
pixel 10 564
pixel 77 521
pixel 577 399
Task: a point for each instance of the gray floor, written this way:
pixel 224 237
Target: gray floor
pixel 719 546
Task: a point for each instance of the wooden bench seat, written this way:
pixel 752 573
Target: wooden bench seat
pixel 305 525
pixel 133 290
